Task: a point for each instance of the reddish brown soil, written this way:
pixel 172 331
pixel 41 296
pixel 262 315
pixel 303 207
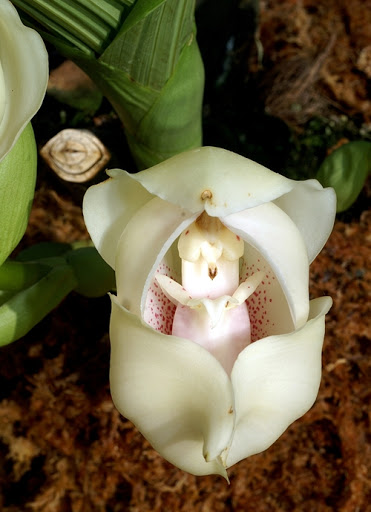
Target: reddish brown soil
pixel 318 54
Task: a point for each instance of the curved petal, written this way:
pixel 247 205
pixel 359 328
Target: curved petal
pixel 275 381
pixel 313 209
pixel 23 75
pixel 108 207
pixel 159 310
pixel 142 246
pixel 214 179
pixel 174 391
pixel 268 307
pixel 270 231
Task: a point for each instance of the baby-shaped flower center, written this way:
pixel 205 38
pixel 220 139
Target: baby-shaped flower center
pixel 211 308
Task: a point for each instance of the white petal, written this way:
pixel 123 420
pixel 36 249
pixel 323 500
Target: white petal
pixel 142 246
pixel 269 230
pixel 268 308
pixel 234 182
pixel 174 391
pixel 23 75
pixel 275 381
pixel 313 209
pixel 108 207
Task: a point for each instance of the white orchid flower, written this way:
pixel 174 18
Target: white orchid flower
pixel 23 75
pixel 216 348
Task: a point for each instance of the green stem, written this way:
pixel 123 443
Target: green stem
pixel 15 276
pixel 28 307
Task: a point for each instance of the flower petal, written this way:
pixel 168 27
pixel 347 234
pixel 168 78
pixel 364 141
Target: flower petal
pixel 269 230
pixel 173 390
pixel 268 307
pixel 313 209
pixel 146 239
pixel 275 381
pixel 23 73
pixel 108 207
pixel 214 179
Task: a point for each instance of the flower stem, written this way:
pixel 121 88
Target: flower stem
pixel 15 276
pixel 28 307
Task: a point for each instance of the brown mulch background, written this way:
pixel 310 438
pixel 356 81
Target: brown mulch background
pixel 64 447
pixel 317 57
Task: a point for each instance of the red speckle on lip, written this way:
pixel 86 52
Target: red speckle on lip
pixel 260 303
pixel 186 233
pixel 159 311
pixel 238 238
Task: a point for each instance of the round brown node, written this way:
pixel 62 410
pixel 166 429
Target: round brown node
pixel 75 155
pixel 206 194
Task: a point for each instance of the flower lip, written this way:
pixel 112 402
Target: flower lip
pixel 215 180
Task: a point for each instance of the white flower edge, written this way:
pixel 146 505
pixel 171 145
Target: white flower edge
pixel 236 183
pixel 309 198
pixel 182 401
pixel 23 75
pixel 275 381
pixel 275 236
pixel 142 245
pixel 174 391
pixel 108 207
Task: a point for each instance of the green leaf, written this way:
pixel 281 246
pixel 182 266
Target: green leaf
pixel 17 186
pixel 158 122
pixel 5 295
pixel 15 276
pixel 86 24
pixel 151 72
pixel 172 125
pixel 148 50
pixel 346 170
pixel 94 277
pixel 42 251
pixel 140 10
pixel 28 307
